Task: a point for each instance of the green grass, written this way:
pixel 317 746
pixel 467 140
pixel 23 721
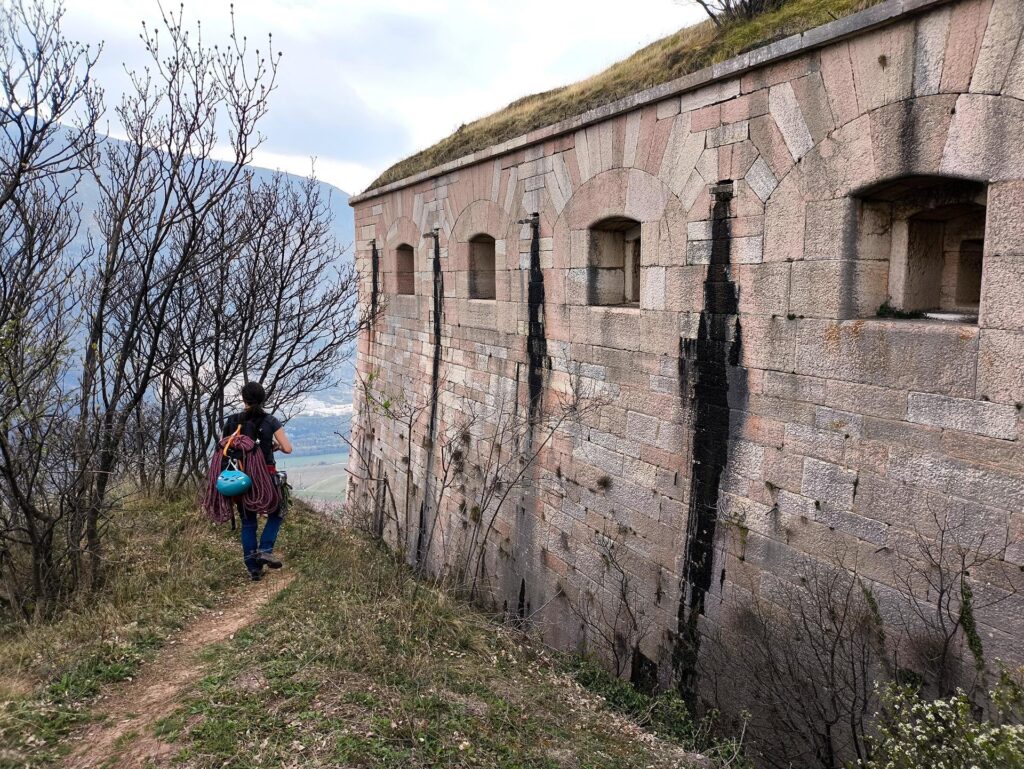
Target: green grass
pixel 353 665
pixel 165 563
pixel 686 51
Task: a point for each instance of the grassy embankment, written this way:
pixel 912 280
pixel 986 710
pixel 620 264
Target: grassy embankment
pixel 165 564
pixel 349 666
pixel 686 51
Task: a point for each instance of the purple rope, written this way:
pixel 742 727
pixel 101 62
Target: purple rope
pixel 262 497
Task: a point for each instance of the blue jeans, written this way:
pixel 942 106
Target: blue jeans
pixel 250 548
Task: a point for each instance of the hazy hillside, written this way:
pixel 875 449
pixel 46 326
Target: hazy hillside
pixel 325 413
pixel 343 222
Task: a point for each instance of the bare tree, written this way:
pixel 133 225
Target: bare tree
pixel 803 659
pixel 725 11
pixel 278 306
pixel 37 324
pixel 156 190
pixel 51 104
pixel 953 570
pixel 611 612
pixel 510 442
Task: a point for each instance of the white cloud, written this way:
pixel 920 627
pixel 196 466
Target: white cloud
pixel 366 82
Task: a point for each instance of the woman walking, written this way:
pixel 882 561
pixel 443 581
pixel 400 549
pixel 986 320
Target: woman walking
pixel 268 433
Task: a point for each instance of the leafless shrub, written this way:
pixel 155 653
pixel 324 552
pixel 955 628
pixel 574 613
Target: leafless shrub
pixel 803 660
pixel 724 11
pixel 610 611
pixel 952 569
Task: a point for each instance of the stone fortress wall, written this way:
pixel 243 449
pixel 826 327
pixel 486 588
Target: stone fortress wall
pixel 796 281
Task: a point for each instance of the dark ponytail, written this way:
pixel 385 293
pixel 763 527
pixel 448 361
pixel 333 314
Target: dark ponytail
pixel 254 396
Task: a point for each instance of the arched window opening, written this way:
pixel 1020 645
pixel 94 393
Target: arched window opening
pixel 936 229
pixel 481 267
pixel 405 269
pixel 614 262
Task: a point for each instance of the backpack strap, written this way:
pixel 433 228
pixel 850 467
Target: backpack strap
pixel 235 434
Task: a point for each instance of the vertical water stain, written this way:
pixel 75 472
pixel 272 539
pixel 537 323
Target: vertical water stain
pixel 536 340
pixel 706 366
pixel 435 377
pixel 374 281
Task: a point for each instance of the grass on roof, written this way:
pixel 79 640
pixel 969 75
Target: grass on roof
pixel 686 51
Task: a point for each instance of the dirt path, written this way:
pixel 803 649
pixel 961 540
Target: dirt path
pixel 124 737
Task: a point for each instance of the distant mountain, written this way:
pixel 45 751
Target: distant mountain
pixel 324 412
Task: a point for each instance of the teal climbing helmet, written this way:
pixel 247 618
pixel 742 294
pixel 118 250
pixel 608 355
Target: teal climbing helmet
pixel 233 482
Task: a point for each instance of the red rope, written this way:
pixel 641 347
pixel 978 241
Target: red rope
pixel 262 497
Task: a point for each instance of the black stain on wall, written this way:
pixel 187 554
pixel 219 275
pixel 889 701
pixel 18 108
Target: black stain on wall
pixel 435 383
pixel 707 366
pixel 374 280
pixel 536 340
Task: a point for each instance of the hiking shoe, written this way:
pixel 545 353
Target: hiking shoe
pixel 266 559
pixel 255 576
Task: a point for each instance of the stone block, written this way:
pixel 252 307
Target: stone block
pixel 645 197
pixel 711 94
pixel 668 108
pixel 781 471
pixel 746 250
pixel 906 355
pixel 837 76
pixel 893 433
pixel 1003 231
pixel 768 343
pixel 908 138
pixel 1000 371
pixel 1014 83
pixel 730 133
pixel 957 478
pixel 999 454
pixel 698 252
pixel 745 459
pixel 929 50
pixel 785 109
pixel 684 288
pixel 642 428
pixel 761 179
pixel 1002 38
pixel 814 104
pixel 967 26
pixel 814 442
pixel 846 423
pixel 706 118
pixel 699 230
pixel 652 288
pixel 828 483
pixel 681 154
pixel 831 229
pixel 766 136
pixel 763 288
pixel 745 107
pixel 970 416
pixel 883 65
pixel 1002 293
pixel 985 136
pixel 838 289
pixel 866 399
pixel 863 528
pixel 784 223
pixel 793 387
pixel 841 163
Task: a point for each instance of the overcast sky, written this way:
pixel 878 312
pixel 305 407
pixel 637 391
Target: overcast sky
pixel 364 83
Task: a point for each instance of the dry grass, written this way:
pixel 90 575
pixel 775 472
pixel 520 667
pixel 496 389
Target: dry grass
pixel 355 665
pixel 165 563
pixel 686 51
